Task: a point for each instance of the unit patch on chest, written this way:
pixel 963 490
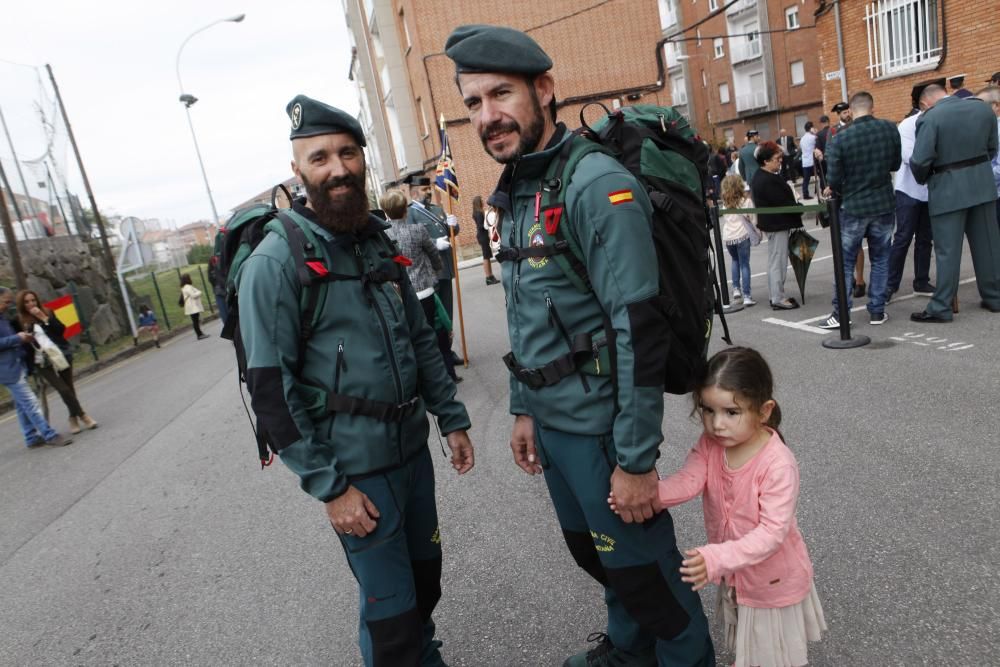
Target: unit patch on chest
pixel 535 239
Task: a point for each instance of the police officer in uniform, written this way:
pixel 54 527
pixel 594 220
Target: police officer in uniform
pixel 433 217
pixel 350 418
pixel 594 426
pixel 956 139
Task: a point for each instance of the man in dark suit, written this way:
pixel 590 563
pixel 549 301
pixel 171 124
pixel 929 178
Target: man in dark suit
pixel 956 139
pixel 787 144
pixel 958 88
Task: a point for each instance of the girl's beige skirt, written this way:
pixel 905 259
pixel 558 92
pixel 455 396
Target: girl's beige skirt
pixel 770 637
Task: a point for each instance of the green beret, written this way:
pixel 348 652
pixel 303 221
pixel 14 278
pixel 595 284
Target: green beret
pixel 311 118
pixel 490 48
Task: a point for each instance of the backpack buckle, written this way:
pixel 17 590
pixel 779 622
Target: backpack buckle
pixel 552 185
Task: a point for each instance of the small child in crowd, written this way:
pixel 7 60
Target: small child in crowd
pixel 749 483
pixel 147 323
pixel 739 233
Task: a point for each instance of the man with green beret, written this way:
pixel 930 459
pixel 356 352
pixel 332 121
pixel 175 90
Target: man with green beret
pixel 347 414
pixel 586 417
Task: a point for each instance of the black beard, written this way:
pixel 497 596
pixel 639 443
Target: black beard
pixel 530 136
pixel 346 214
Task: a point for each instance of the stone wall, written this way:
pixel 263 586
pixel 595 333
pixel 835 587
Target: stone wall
pixel 54 264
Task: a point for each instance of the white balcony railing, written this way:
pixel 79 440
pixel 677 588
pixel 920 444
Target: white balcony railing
pixel 742 52
pixel 754 100
pixel 741 6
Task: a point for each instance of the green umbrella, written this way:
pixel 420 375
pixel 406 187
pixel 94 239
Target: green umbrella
pixel 801 248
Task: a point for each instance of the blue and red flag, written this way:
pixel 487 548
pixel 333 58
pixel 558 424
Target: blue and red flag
pixel 445 178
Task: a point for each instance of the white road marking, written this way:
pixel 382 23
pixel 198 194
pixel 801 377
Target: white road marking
pixel 798 325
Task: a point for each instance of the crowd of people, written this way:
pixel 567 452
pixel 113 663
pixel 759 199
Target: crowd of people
pixel 928 182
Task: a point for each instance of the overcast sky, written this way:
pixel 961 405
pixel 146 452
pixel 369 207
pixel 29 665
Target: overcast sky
pixel 114 63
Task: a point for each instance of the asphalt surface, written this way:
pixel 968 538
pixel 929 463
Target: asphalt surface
pixel 156 539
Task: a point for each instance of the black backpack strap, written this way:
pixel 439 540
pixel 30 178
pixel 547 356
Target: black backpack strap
pixel 299 245
pixel 366 407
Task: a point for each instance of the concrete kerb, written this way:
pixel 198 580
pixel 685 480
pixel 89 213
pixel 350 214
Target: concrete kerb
pixel 117 357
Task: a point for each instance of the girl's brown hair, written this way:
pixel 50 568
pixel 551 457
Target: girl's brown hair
pixel 186 279
pixel 744 372
pixel 733 191
pixel 27 319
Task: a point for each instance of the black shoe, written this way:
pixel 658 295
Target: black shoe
pixel 926 317
pixel 986 306
pixel 202 336
pixel 787 304
pixel 924 290
pixel 458 379
pixel 490 280
pixel 157 345
pixel 457 360
pixel 605 654
pixel 35 444
pixel 859 290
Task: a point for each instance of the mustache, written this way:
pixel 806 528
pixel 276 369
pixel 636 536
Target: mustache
pixel 499 126
pixel 338 181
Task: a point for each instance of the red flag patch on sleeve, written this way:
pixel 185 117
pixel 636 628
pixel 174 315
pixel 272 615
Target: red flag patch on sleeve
pixel 620 197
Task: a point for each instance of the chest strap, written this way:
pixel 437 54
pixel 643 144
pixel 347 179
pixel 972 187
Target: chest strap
pixel 533 252
pixel 365 407
pixel 584 355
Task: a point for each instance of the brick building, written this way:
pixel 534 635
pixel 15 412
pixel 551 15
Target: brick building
pixel 609 53
pixel 737 66
pixel 890 46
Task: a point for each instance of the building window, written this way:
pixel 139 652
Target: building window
pixel 713 5
pixel 902 36
pixel 723 93
pixel 678 91
pixel 800 124
pixel 720 50
pixel 798 73
pixel 424 126
pixel 764 130
pixel 792 18
pixel 406 31
pixel 730 136
pixel 698 34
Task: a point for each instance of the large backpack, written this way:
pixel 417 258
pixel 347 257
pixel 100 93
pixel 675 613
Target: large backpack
pixel 244 232
pixel 658 146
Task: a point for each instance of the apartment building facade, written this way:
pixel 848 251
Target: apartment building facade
pixel 743 65
pixel 890 47
pixel 609 53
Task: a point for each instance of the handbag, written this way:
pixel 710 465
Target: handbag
pixel 51 351
pixel 752 232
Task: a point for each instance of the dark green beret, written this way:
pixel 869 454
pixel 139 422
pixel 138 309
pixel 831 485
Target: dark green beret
pixel 490 48
pixel 311 118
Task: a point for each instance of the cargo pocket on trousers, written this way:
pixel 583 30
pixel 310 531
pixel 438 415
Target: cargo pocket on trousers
pixel 390 522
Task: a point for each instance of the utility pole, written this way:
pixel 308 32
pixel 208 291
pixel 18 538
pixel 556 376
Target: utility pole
pixel 8 232
pixel 109 264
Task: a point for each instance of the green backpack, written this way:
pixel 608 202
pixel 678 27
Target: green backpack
pixel 658 146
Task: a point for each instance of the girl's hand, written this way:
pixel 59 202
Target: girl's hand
pixel 694 570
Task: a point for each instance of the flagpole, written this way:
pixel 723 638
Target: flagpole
pixel 454 260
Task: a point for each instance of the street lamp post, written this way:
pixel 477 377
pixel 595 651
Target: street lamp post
pixel 189 100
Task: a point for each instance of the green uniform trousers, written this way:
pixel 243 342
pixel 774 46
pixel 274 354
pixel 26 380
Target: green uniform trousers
pixel 638 564
pixel 979 224
pixel 398 568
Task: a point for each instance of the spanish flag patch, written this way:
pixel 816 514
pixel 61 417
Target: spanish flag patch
pixel 620 197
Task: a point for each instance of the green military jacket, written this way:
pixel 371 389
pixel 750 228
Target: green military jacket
pixel 608 214
pixel 748 162
pixel 433 218
pixel 371 342
pixel 952 131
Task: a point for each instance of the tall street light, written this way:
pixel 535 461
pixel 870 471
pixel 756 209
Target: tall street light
pixel 189 100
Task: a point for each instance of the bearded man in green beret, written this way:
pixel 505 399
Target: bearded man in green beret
pixel 347 410
pixel 587 417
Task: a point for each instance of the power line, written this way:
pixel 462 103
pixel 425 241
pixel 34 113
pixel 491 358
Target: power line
pixel 568 16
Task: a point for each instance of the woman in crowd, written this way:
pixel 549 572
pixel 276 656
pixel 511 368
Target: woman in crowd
pixel 414 242
pixel 768 189
pixel 484 239
pixel 53 358
pixel 191 300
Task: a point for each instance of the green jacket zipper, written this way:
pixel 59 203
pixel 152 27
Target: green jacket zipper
pixel 554 319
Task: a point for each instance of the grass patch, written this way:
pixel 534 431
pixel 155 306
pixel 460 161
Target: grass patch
pixel 143 286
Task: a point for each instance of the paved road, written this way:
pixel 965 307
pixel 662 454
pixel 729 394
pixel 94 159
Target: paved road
pixel 155 540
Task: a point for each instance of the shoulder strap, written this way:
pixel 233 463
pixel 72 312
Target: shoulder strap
pixel 552 206
pixel 311 270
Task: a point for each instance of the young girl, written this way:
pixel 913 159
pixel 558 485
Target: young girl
pixel 749 483
pixel 191 300
pixel 736 235
pixel 148 324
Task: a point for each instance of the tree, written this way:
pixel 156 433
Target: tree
pixel 199 254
